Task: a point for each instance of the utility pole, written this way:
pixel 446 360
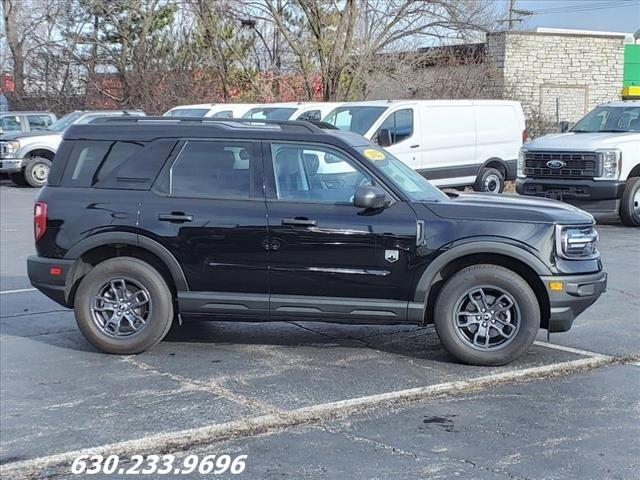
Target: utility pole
pixel 515 15
pixel 512 5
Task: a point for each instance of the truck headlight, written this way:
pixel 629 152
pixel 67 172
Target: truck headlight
pixel 9 149
pixel 521 156
pixel 611 161
pixel 577 242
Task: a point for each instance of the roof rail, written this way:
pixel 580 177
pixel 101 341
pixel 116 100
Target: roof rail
pixel 284 124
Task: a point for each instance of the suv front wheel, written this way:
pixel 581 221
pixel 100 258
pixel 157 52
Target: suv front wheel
pixel 124 306
pixel 487 315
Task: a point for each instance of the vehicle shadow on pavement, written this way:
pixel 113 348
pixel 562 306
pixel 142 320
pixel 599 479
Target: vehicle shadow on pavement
pixel 406 340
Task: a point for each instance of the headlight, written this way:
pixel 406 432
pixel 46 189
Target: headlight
pixel 576 243
pixel 521 156
pixel 611 161
pixel 8 149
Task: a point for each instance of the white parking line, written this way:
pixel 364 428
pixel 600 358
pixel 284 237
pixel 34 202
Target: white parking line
pixel 19 290
pixel 577 351
pixel 184 439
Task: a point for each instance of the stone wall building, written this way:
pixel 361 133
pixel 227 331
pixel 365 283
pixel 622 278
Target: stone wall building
pixel 556 74
pixel 559 76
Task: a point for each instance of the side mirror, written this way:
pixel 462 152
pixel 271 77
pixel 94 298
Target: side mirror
pixel 371 197
pixel 564 126
pixel 384 137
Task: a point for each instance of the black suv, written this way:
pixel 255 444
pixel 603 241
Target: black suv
pixel 146 220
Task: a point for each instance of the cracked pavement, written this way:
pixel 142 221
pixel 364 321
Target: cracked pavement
pixel 59 395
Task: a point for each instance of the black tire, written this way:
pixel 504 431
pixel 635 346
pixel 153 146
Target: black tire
pixel 489 180
pixel 629 208
pixel 18 179
pixel 36 171
pixel 159 310
pixel 491 278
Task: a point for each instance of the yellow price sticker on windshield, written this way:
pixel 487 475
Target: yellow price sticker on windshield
pixel 373 154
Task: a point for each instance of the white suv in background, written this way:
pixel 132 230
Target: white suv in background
pixel 453 143
pixel 595 165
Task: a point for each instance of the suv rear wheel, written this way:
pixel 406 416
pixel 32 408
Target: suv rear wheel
pixel 124 306
pixel 487 315
pixel 630 204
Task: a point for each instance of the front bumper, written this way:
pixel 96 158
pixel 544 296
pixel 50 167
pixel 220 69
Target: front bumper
pixel 42 277
pixel 591 195
pixel 578 293
pixel 11 165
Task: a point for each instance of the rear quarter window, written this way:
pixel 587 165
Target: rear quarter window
pixel 90 161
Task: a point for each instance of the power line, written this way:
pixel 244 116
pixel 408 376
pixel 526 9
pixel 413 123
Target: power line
pixel 588 7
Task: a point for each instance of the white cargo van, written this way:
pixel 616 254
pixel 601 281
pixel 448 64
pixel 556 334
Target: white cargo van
pixel 291 111
pixel 453 143
pixel 215 110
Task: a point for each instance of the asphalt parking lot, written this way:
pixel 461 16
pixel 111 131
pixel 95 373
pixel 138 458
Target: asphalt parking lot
pixel 314 400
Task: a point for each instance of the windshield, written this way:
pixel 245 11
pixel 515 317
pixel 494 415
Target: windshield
pixel 65 121
pixel 414 185
pixel 610 119
pixel 186 112
pixel 273 113
pixel 354 119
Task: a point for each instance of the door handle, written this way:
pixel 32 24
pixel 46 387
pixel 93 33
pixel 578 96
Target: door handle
pixel 177 217
pixel 299 222
pixel 414 146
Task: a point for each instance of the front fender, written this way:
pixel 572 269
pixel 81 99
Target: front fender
pixel 512 250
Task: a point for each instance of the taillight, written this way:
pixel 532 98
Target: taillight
pixel 39 220
pixel 525 136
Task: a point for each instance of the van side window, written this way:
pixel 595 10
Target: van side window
pixel 400 124
pixel 315 173
pixel 223 114
pixel 212 170
pixel 92 160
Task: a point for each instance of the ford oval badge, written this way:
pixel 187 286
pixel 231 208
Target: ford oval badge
pixel 556 164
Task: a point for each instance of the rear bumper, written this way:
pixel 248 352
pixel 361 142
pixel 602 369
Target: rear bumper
pixel 51 284
pixel 10 165
pixel 578 293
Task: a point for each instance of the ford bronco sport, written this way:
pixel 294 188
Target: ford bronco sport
pixel 149 220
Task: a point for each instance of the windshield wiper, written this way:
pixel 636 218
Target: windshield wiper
pixel 613 131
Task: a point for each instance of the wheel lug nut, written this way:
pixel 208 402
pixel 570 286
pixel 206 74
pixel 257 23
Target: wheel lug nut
pixel 484 324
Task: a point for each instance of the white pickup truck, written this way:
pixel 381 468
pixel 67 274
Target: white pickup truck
pixel 595 165
pixel 26 157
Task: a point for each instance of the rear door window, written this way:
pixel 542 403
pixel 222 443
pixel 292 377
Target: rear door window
pixel 208 169
pixel 92 160
pixel 39 122
pixel 10 123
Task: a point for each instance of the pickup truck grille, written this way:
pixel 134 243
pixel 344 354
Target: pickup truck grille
pixel 571 164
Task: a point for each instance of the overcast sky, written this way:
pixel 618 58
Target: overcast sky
pixel 608 15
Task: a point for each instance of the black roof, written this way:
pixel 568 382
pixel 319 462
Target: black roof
pixel 146 129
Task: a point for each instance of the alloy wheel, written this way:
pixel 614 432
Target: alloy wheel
pixel 121 307
pixel 486 318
